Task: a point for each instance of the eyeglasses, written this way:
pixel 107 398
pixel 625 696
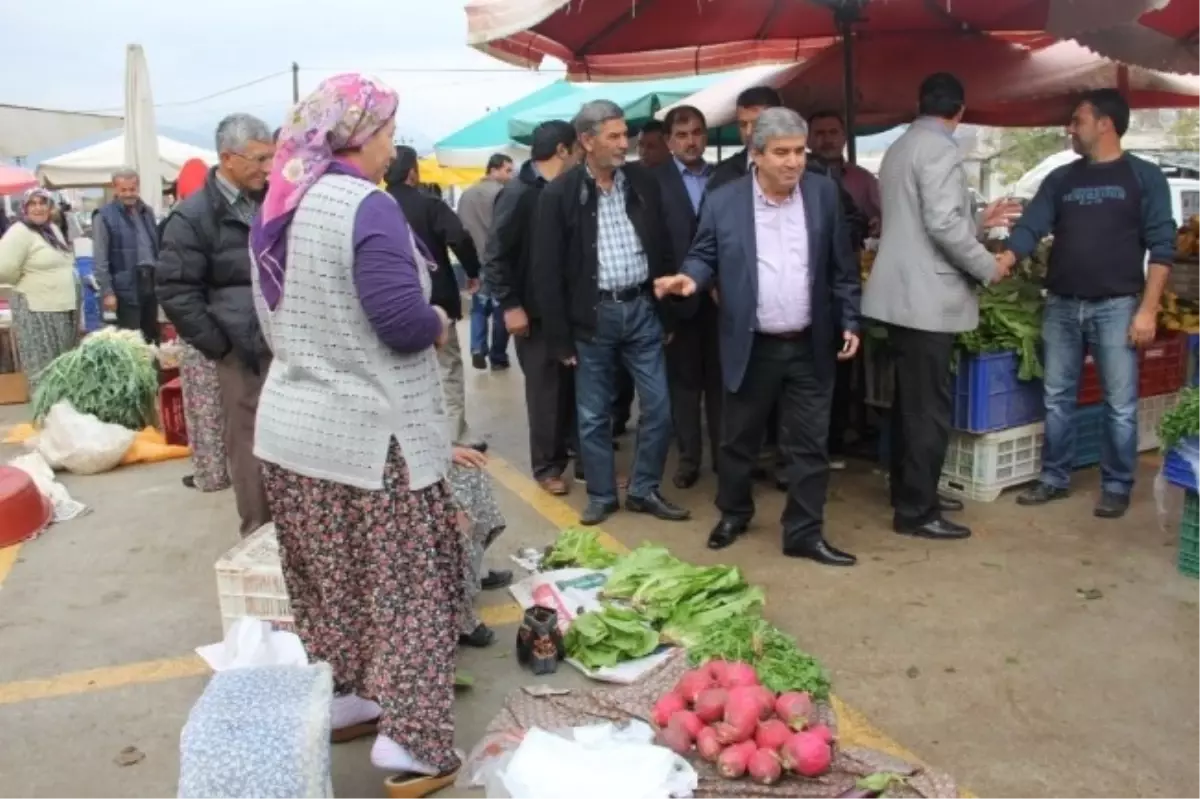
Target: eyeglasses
pixel 259 160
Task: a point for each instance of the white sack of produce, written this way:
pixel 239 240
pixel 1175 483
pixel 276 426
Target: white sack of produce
pixel 599 761
pixel 79 442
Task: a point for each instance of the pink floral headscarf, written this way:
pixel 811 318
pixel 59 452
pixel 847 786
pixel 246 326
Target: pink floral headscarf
pixel 344 112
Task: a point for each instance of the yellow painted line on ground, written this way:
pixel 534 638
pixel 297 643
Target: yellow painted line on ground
pixel 853 727
pixel 83 682
pixel 8 557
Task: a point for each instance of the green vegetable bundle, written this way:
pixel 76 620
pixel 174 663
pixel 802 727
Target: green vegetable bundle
pixel 111 375
pixel 1181 421
pixel 780 664
pixel 579 547
pixel 608 636
pixel 1010 318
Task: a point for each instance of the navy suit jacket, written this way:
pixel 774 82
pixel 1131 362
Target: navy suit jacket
pixel 725 253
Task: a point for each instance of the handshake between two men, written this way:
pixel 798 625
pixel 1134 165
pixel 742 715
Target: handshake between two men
pixel 1001 213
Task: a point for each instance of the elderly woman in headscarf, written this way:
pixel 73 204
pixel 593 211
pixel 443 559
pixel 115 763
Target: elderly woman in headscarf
pixel 352 432
pixel 38 263
pixel 198 378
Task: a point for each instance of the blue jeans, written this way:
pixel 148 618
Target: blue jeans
pixel 627 333
pixel 483 310
pixel 1068 325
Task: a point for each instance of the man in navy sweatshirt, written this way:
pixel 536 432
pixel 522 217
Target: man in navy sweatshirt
pixel 1106 211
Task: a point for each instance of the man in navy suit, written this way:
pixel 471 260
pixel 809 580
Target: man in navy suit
pixel 693 362
pixel 777 249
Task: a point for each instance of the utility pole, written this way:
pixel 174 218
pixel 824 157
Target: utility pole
pixel 295 82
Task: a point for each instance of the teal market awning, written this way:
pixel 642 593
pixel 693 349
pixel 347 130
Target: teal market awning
pixel 640 100
pixel 471 146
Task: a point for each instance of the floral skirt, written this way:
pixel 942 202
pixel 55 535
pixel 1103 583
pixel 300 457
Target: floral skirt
pixel 41 336
pixel 205 420
pixel 483 523
pixel 375 580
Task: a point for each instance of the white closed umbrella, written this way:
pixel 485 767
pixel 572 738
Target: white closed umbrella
pixel 141 136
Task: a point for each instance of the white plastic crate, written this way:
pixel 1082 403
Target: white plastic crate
pixel 1150 413
pixel 250 581
pixel 980 467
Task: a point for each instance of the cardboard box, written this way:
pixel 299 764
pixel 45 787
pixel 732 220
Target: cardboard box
pixel 14 388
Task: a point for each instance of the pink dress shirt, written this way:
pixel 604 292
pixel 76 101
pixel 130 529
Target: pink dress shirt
pixel 784 290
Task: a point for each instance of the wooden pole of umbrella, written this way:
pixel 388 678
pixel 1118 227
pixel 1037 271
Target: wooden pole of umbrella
pixel 845 14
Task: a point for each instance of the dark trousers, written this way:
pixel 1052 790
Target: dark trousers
pixel 920 421
pixel 549 403
pixel 694 373
pixel 839 415
pixel 784 371
pixel 143 314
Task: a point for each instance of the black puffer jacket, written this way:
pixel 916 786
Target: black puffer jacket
pixel 203 278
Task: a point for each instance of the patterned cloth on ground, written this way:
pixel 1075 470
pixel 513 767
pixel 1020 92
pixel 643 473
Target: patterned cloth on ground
pixel 579 708
pixel 205 420
pixel 41 336
pixel 261 732
pixel 473 493
pixel 375 580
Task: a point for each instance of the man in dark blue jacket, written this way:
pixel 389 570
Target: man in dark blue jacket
pixel 1106 211
pixel 774 244
pixel 125 239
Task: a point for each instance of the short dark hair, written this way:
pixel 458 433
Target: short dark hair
pixel 941 95
pixel 548 136
pixel 406 162
pixel 497 161
pixel 653 126
pixel 758 96
pixel 827 113
pixel 1108 103
pixel 682 113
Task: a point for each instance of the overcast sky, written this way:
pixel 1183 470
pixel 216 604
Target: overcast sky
pixel 71 55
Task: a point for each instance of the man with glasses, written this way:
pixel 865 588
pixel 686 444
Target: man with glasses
pixel 204 285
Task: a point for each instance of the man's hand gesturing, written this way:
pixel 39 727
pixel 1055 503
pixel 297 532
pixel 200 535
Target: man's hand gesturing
pixel 677 285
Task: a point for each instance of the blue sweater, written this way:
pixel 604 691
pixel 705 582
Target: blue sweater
pixel 1104 218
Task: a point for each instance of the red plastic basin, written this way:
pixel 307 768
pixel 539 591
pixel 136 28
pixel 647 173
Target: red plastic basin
pixel 24 512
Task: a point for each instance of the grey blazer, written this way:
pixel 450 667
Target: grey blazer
pixel 930 259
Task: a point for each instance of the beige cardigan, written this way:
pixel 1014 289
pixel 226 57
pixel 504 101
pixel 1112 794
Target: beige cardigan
pixel 43 274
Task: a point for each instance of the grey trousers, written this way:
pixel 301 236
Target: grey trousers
pixel 450 359
pixel 240 388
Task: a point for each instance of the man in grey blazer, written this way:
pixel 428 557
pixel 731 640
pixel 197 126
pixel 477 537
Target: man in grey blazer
pixel 923 287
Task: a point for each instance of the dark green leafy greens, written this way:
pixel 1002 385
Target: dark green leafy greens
pixel 608 636
pixel 781 665
pixel 1010 318
pixel 1181 421
pixel 110 374
pixel 579 547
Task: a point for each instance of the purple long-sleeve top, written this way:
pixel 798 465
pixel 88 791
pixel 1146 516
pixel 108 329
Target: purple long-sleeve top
pixel 386 277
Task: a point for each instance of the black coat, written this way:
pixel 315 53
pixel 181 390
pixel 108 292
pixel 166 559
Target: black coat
pixel 203 280
pixel 565 260
pixel 507 272
pixel 438 228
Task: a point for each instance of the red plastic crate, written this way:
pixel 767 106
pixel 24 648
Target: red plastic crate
pixel 170 412
pixel 1161 369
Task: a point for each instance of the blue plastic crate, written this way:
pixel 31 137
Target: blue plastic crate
pixel 988 396
pixel 1177 471
pixel 93 317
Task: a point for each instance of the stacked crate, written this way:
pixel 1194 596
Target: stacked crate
pixel 997 438
pixel 1180 471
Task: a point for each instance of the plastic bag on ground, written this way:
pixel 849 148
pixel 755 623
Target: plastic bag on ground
pixel 65 508
pixel 81 443
pixel 150 446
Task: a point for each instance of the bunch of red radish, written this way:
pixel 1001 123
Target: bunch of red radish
pixel 732 720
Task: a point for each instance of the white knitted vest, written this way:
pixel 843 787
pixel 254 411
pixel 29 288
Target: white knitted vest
pixel 336 394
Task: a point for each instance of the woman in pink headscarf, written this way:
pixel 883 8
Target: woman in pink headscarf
pixel 352 433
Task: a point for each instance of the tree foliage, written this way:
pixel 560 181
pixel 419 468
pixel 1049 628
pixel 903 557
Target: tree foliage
pixel 1021 149
pixel 1186 130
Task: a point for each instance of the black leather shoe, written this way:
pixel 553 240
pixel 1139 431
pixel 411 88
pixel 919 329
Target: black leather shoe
pixel 479 361
pixel 597 512
pixel 938 529
pixel 949 504
pixel 822 552
pixel 685 478
pixel 657 507
pixel 480 446
pixel 496 579
pixel 479 638
pixel 725 533
pixel 1111 506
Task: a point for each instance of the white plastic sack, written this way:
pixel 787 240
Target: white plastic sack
pixel 34 465
pixel 596 762
pixel 81 443
pixel 254 642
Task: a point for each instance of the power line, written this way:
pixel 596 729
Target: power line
pixel 205 98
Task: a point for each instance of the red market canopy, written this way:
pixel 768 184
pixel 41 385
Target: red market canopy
pixel 14 180
pixel 1165 39
pixel 625 39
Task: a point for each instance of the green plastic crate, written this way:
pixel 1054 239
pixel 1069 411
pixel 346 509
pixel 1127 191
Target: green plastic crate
pixel 1189 536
